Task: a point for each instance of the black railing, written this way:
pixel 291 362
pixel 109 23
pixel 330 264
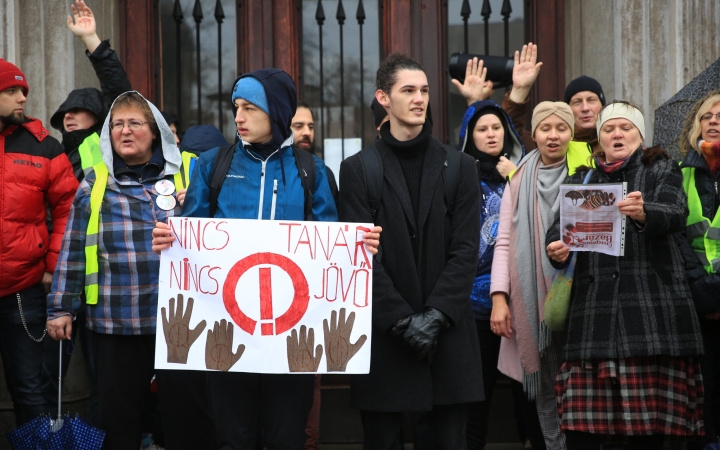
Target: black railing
pixel 198 16
pixel 219 16
pixel 178 16
pixel 486 12
pixel 320 18
pixel 340 16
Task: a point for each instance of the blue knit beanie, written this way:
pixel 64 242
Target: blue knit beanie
pixel 252 90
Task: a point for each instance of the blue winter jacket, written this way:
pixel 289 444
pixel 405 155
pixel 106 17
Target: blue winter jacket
pixel 248 194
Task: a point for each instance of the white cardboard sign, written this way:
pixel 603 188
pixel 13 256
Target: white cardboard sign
pixel 265 296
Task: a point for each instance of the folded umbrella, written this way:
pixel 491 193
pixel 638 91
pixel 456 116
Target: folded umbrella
pixel 63 433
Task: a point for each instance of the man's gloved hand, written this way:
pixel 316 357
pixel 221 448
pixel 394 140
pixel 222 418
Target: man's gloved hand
pixel 422 332
pixel 402 325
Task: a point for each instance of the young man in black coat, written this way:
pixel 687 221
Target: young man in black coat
pixel 425 354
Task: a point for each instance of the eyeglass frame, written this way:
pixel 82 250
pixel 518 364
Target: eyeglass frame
pixel 708 116
pixel 128 125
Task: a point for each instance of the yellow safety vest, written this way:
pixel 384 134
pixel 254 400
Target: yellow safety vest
pixel 181 180
pixel 578 155
pixel 90 153
pixel 703 234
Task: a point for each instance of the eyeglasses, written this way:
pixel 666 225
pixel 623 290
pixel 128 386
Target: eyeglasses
pixel 708 116
pixel 133 125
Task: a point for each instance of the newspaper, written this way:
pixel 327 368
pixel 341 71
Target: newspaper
pixel 590 220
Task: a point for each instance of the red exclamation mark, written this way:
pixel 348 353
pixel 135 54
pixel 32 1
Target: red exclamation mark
pixel 266 301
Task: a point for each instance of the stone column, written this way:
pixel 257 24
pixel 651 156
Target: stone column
pixel 641 51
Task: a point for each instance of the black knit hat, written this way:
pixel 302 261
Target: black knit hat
pixel 584 83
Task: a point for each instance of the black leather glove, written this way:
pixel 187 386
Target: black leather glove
pixel 423 331
pixel 399 328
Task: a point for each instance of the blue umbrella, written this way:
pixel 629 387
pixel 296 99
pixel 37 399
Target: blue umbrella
pixel 63 433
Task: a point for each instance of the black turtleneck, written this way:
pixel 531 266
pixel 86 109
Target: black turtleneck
pixel 410 154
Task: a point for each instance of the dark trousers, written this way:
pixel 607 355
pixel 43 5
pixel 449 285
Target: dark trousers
pixel 124 366
pixel 710 368
pixel 22 356
pixel 281 402
pixel 186 416
pixel 576 440
pixel 479 412
pixel 447 424
pixel 312 429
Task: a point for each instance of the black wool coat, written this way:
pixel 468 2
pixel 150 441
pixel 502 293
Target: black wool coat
pixel 442 279
pixel 638 304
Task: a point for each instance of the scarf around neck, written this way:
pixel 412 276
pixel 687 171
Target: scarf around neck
pixel 711 152
pixel 535 204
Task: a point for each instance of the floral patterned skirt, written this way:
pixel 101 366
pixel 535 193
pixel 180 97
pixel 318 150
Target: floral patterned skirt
pixel 632 396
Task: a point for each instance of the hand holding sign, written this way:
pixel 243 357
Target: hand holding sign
pixel 300 351
pixel 178 335
pixel 338 349
pixel 218 348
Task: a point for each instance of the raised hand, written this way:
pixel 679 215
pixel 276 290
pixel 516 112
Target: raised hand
pixel 338 349
pixel 82 24
pixel 178 335
pixel 300 351
pixel 218 348
pixel 474 88
pixel 525 72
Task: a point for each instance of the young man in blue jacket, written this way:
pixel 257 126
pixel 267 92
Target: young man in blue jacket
pixel 262 182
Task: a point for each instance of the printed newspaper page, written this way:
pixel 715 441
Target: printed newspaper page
pixel 590 220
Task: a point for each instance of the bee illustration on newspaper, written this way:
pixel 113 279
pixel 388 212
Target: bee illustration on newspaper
pixel 591 198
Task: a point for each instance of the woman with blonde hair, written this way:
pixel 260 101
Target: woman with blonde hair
pixel 700 243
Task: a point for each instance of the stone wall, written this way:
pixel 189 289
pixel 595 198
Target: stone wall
pixel 35 37
pixel 643 51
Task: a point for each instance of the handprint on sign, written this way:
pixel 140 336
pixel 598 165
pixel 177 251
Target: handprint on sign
pixel 300 351
pixel 218 348
pixel 338 349
pixel 178 335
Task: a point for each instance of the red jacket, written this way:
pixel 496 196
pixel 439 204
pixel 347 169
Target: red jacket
pixel 35 177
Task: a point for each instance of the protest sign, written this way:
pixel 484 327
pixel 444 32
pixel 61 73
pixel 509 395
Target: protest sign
pixel 590 220
pixel 265 296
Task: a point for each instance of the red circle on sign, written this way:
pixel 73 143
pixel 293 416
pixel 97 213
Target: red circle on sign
pixel 300 285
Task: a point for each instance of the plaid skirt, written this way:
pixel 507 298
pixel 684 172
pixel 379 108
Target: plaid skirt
pixel 632 396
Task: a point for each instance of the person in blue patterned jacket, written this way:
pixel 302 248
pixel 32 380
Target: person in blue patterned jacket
pixel 488 135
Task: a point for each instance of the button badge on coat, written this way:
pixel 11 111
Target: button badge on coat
pixel 165 202
pixel 165 187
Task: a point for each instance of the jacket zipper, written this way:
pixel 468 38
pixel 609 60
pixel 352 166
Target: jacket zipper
pixel 274 200
pixel 262 188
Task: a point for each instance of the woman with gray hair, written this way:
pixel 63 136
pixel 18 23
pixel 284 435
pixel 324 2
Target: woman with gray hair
pixel 633 337
pixel 521 275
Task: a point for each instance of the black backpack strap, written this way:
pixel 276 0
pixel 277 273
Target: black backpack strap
pixel 373 168
pixel 452 177
pixel 306 169
pixel 220 170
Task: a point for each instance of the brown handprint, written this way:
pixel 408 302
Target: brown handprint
pixel 300 351
pixel 338 349
pixel 218 348
pixel 178 335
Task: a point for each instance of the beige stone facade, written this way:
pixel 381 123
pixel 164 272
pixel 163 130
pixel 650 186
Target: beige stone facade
pixel 643 51
pixel 34 36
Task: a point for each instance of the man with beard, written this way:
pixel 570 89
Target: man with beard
pixel 82 114
pixel 303 126
pixel 35 177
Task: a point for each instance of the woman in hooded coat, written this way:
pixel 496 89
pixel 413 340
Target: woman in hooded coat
pixel 488 135
pixel 138 152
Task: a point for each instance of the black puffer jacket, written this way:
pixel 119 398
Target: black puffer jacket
pixel 638 304
pixel 705 287
pixel 113 82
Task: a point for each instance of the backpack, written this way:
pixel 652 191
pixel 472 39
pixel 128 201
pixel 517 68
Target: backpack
pixel 373 169
pixel 303 160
